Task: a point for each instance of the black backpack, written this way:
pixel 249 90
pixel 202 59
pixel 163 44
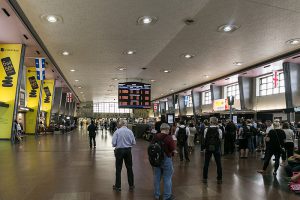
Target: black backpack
pixel 247 132
pixel 181 135
pixel 212 139
pixel 156 152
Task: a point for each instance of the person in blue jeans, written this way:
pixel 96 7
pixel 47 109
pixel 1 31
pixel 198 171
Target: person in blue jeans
pixel 212 139
pixel 165 171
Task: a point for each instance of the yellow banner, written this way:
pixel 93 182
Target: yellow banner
pixel 47 98
pixel 10 56
pixel 33 91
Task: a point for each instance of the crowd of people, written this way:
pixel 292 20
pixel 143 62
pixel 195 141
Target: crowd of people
pixel 215 137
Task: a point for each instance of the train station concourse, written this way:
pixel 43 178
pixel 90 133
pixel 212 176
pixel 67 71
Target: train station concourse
pixel 149 99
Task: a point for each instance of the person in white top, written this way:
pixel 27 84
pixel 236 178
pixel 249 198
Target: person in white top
pixel 182 133
pixel 191 137
pixel 289 141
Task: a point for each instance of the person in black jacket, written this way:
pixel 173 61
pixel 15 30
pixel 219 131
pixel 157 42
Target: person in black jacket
pixel 274 144
pixel 92 134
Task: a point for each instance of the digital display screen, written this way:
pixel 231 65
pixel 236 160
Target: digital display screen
pixel 134 95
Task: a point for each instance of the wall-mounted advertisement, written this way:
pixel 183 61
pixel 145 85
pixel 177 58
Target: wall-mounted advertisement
pixel 47 98
pixel 10 71
pixel 33 91
pixel 220 105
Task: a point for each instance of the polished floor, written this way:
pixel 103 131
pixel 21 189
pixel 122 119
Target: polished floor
pixel 62 167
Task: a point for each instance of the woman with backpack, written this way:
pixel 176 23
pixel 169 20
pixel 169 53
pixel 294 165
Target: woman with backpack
pixel 243 140
pixel 191 137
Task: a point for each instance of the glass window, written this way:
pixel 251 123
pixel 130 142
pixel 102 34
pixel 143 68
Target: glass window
pixel 206 97
pixel 109 107
pixel 267 84
pixel 233 90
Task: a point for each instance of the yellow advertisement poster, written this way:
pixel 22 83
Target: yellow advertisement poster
pixel 11 60
pixel 33 91
pixel 47 98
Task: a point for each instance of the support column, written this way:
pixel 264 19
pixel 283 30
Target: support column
pixel 196 102
pixel 182 105
pixel 246 90
pixel 292 84
pixel 162 105
pixel 63 110
pixel 171 104
pixel 216 92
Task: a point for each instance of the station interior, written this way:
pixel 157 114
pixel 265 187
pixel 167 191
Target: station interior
pixel 68 65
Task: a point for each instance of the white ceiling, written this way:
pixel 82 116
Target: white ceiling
pixel 96 32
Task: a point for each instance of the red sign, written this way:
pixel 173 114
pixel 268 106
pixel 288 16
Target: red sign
pixel 155 107
pixel 275 79
pixel 69 97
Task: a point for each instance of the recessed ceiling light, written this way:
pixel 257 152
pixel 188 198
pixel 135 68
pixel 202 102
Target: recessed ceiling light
pixel 79 87
pixel 76 80
pixel 294 41
pixel 145 20
pixel 206 76
pixel 121 68
pixel 188 56
pixel 238 63
pixel 65 53
pixel 51 18
pixel 171 90
pixel 166 71
pixel 81 92
pixel 152 80
pixel 72 70
pixel 228 28
pixel 115 79
pixel 130 52
pixel 161 94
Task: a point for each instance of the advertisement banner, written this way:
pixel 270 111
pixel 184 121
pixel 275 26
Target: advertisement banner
pixel 33 91
pixel 220 105
pixel 47 98
pixel 11 56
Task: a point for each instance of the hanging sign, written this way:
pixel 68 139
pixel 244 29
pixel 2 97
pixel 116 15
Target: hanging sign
pixel 40 68
pixel 47 98
pixel 275 79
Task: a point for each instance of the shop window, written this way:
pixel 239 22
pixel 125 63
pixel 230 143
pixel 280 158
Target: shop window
pixel 106 107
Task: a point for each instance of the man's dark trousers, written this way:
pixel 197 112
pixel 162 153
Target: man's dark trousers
pixel 124 154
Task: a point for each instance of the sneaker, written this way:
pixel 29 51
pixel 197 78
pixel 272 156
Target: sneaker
pixel 116 188
pixel 172 197
pixel 131 188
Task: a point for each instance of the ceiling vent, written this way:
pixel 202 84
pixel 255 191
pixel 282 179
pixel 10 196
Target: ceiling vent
pixel 6 12
pixel 25 36
pixel 267 66
pixel 296 57
pixel 189 21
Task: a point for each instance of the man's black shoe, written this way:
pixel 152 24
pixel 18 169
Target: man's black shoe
pixel 116 188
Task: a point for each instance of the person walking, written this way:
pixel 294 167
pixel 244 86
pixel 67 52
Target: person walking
pixel 230 132
pixel 165 171
pixel 289 141
pixel 123 140
pixel 212 141
pixel 274 144
pixel 92 128
pixel 191 137
pixel 182 133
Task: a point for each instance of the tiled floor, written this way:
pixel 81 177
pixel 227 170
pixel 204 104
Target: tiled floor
pixel 62 167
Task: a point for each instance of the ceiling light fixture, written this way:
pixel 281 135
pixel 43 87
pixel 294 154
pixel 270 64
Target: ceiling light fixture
pixel 152 80
pixel 171 90
pixel 76 80
pixel 130 52
pixel 115 79
pixel 294 41
pixel 79 87
pixel 122 68
pixel 72 70
pixel 228 28
pixel 206 76
pixel 65 53
pixel 188 56
pixel 81 92
pixel 238 63
pixel 51 18
pixel 146 20
pixel 166 71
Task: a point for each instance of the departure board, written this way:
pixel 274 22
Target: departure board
pixel 134 95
